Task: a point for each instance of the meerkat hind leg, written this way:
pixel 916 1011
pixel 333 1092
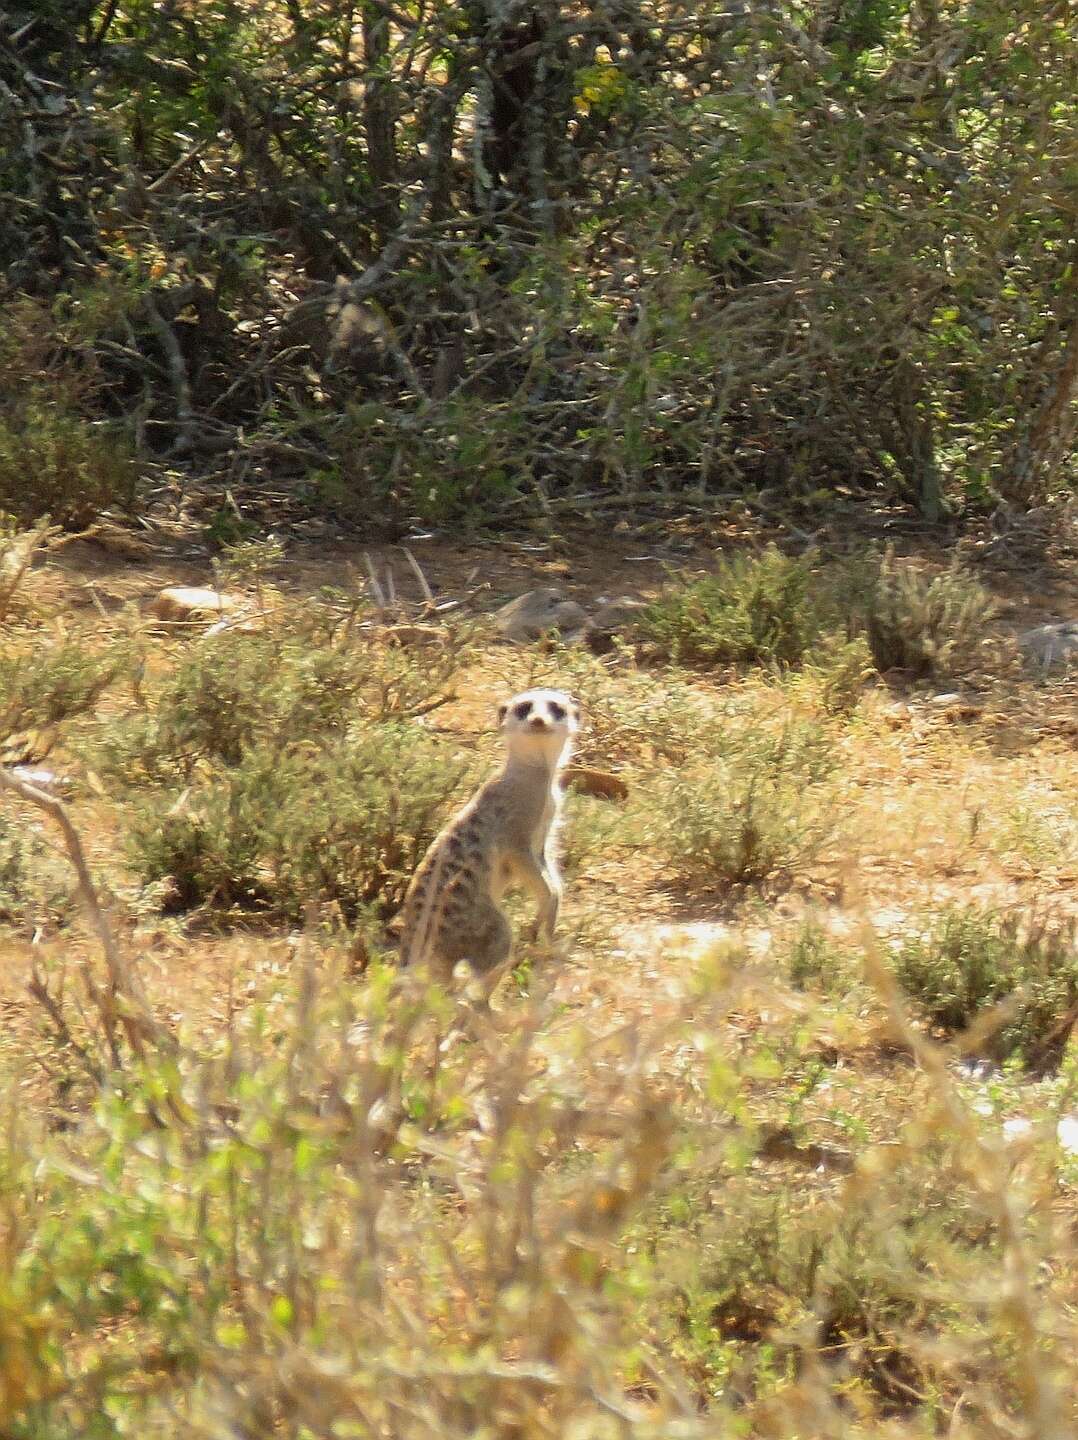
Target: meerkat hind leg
pixel 488 953
pixel 490 943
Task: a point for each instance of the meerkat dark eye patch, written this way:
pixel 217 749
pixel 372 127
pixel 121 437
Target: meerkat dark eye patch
pixel 523 710
pixel 558 711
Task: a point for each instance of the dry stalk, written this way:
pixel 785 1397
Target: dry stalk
pixel 417 571
pixel 125 999
pixel 16 562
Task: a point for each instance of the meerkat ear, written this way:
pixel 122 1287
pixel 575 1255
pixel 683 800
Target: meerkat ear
pixel 503 711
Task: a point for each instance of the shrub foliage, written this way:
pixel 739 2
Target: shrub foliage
pixel 753 608
pixel 971 959
pixel 757 809
pixel 340 825
pixel 928 625
pixel 450 262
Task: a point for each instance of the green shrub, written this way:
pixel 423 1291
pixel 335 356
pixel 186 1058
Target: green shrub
pixel 753 608
pixel 838 668
pixel 332 1213
pixel 764 1265
pixel 457 463
pixel 51 683
pixel 928 625
pixel 1043 831
pixel 343 824
pixel 233 691
pixel 35 884
pixel 757 811
pixel 53 462
pixel 636 714
pixel 815 961
pixel 971 959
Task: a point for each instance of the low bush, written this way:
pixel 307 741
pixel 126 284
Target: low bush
pixel 635 715
pixel 753 608
pixel 816 961
pixel 339 825
pixel 928 625
pixel 301 680
pixel 971 959
pixel 837 669
pixel 227 1229
pixel 35 885
pixel 758 810
pixel 1040 829
pixel 54 681
pixel 336 1215
pixel 55 463
pixel 763 1268
pixel 772 609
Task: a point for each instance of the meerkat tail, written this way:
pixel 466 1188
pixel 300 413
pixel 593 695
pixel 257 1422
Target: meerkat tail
pixel 419 939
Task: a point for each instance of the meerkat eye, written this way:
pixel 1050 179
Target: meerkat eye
pixel 523 710
pixel 558 711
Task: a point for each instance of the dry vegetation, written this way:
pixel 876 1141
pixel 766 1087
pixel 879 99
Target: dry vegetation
pixel 779 1142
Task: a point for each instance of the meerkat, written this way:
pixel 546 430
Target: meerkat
pixel 502 838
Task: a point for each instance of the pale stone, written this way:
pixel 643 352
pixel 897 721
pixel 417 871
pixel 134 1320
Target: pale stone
pixel 179 603
pixel 538 612
pixel 612 618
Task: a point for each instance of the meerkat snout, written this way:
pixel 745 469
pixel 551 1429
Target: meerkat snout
pixel 503 838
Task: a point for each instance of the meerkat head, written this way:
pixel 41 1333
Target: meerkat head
pixel 539 723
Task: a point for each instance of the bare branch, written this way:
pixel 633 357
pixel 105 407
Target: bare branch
pixel 125 985
pixel 177 369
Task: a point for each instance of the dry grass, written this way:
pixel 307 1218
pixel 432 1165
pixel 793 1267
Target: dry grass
pixel 695 1175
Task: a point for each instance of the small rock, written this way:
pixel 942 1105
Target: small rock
pixel 180 603
pixel 599 783
pixel 537 613
pixel 611 620
pixel 1051 645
